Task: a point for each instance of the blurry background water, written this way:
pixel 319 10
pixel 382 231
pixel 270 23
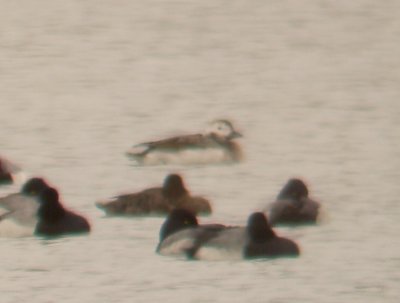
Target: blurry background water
pixel 314 87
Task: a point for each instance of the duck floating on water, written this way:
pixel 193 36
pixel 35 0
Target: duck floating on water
pixel 156 201
pixel 293 205
pixel 22 207
pixel 182 236
pixel 55 220
pixel 216 145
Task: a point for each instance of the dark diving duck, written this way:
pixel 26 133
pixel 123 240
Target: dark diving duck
pixel 156 200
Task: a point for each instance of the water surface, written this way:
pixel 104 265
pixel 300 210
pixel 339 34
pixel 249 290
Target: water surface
pixel 312 85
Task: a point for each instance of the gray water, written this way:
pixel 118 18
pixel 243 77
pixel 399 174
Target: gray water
pixel 314 87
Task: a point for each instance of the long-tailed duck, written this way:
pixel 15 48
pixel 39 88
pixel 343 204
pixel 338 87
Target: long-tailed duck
pixel 216 145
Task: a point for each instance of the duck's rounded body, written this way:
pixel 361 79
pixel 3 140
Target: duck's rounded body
pixel 55 220
pixel 157 201
pixel 293 205
pixel 216 145
pixel 22 207
pixel 181 235
pixel 262 242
